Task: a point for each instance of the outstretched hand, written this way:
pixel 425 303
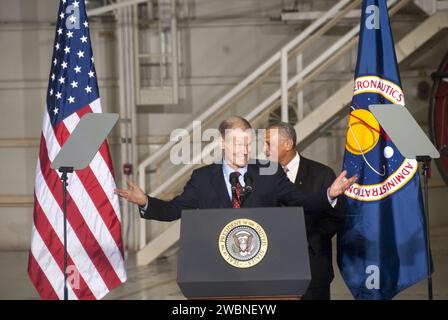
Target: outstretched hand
pixel 134 194
pixel 341 184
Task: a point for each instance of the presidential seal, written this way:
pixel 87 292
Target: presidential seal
pixel 243 243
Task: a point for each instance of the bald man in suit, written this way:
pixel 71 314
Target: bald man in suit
pixel 321 225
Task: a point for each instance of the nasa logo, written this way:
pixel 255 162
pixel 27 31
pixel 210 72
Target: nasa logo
pixel 364 140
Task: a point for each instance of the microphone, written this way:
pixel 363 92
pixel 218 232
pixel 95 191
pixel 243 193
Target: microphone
pixel 248 188
pixel 233 179
pixel 248 181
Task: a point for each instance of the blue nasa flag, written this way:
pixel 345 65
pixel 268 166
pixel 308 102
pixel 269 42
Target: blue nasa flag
pixel 382 247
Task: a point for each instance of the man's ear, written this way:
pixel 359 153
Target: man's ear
pixel 289 145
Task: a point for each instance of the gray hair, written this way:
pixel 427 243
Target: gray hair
pixel 234 122
pixel 286 130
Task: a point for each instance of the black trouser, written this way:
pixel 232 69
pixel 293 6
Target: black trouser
pixel 317 293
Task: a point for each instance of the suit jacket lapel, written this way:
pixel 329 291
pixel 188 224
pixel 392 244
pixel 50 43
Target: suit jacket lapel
pixel 302 172
pixel 220 187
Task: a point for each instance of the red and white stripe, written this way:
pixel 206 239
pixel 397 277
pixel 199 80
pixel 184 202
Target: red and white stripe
pixel 94 242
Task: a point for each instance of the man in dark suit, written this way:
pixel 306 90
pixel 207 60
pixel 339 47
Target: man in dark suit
pixel 210 187
pixel 321 225
pixel 207 188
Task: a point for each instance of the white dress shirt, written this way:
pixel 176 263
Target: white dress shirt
pixel 227 170
pixel 293 168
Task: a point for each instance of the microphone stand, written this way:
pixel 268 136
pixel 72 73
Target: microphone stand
pixel 247 190
pixel 425 161
pixel 64 179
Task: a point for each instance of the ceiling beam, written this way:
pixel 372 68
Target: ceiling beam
pixel 313 15
pixel 111 7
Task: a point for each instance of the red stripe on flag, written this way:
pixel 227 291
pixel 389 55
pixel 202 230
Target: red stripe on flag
pixel 77 222
pixel 40 280
pixel 56 248
pixel 84 110
pixel 102 203
pixel 97 194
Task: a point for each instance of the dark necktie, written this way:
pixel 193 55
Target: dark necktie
pixel 236 195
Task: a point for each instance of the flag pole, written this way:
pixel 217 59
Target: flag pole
pixel 425 161
pixel 64 178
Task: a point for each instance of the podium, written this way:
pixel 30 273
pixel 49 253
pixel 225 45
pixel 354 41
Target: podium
pixel 246 253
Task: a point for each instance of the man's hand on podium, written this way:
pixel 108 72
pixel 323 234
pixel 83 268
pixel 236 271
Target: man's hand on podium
pixel 134 194
pixel 340 185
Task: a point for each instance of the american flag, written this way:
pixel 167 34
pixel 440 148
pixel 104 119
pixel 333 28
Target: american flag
pixel 95 247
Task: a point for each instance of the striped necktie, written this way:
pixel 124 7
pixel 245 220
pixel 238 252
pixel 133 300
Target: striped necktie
pixel 237 193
